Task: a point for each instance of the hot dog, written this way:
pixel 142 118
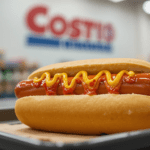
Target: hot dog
pixel 87 97
pixel 140 84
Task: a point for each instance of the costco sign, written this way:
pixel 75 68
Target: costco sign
pixel 76 33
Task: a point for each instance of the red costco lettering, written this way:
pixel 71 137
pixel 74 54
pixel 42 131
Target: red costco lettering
pixel 73 28
pixel 99 31
pixel 54 21
pixel 31 19
pixel 108 32
pixel 88 25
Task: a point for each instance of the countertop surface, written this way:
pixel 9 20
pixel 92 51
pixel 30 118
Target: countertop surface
pixel 7 103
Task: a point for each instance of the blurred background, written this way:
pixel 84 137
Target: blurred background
pixel 42 32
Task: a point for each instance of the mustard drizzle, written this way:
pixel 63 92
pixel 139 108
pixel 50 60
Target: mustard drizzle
pixel 84 74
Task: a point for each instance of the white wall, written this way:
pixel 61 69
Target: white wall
pixel 144 33
pixel 13 30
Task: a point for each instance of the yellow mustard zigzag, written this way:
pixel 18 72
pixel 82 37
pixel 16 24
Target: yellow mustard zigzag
pixel 84 75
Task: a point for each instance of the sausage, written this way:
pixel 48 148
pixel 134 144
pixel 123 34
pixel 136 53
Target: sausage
pixel 140 84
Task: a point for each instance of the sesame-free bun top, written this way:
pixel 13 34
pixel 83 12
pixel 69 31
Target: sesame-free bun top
pixel 93 66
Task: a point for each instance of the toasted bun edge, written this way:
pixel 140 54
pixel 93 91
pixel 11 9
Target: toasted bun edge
pixel 93 66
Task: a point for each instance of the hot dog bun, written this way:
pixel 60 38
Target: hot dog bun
pixel 84 114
